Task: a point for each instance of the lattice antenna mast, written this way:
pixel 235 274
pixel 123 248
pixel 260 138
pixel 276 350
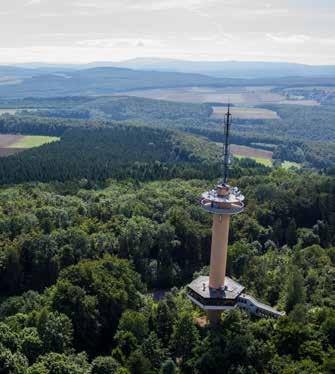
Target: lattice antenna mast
pixel 227 124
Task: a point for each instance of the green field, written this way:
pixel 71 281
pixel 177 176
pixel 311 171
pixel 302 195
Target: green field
pixel 32 141
pixel 289 164
pixel 260 160
pixel 245 113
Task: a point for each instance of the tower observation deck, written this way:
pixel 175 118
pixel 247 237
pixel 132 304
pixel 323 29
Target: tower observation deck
pixel 219 292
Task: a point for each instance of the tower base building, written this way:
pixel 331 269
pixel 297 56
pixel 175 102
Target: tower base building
pixel 214 302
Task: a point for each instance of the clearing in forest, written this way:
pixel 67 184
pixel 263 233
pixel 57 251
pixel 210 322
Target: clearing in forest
pixel 290 164
pixel 10 144
pixel 259 155
pixel 32 141
pixel 245 113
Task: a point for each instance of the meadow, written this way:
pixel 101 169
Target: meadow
pixel 290 164
pixel 11 144
pixel 259 155
pixel 245 113
pixel 260 160
pixel 32 141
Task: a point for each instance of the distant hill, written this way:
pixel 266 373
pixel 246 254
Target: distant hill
pixel 229 69
pixel 25 71
pixel 43 80
pixel 101 81
pixel 226 69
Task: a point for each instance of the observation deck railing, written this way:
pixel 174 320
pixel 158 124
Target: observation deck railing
pixel 214 208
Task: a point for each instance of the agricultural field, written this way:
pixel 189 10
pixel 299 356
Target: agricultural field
pixel 260 160
pixel 245 113
pixel 17 110
pixel 241 96
pixel 259 155
pixel 10 144
pixel 7 111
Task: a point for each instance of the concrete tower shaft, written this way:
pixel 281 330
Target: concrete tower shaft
pixel 222 202
pixel 220 234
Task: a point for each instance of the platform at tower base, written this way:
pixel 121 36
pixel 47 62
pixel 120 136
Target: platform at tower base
pixel 230 296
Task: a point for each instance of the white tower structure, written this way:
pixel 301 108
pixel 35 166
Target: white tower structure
pixel 219 292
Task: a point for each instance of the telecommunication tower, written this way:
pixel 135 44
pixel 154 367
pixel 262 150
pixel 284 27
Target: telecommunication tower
pixel 217 292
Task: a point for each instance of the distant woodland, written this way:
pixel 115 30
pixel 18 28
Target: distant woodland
pixel 303 134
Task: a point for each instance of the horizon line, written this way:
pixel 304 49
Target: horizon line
pixel 171 59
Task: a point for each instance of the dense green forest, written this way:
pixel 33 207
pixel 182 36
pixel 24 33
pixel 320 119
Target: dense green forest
pixel 101 232
pixel 79 263
pixel 120 152
pixel 303 122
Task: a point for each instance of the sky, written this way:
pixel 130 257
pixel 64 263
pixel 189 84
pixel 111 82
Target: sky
pixel 81 31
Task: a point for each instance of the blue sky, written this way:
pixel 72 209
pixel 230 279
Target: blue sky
pixel 94 30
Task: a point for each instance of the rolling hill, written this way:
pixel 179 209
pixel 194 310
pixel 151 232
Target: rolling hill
pixel 99 81
pixel 227 69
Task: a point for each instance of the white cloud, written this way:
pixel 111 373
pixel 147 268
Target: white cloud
pixel 268 11
pixel 171 4
pixel 34 2
pixel 85 4
pixel 290 39
pixel 144 5
pixel 301 39
pixel 71 30
pixel 119 42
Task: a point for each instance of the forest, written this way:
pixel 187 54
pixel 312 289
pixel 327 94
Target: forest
pixel 101 231
pixel 101 81
pixel 302 134
pixel 167 187
pixel 80 263
pixel 119 151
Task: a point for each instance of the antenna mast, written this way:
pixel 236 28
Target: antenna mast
pixel 227 124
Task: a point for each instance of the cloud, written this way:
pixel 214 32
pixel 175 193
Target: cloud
pixel 300 39
pixel 300 30
pixel 34 2
pixel 171 4
pixel 85 4
pixel 288 39
pixel 119 42
pixel 144 5
pixel 268 11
